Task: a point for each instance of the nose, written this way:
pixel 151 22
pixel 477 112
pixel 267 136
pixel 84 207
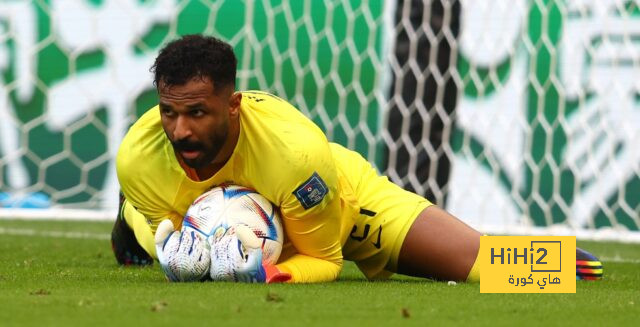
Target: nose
pixel 182 129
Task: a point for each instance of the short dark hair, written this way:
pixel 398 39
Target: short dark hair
pixel 196 56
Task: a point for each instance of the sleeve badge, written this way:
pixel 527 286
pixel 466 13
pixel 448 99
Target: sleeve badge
pixel 312 191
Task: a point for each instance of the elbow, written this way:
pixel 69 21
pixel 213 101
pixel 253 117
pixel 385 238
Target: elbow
pixel 337 269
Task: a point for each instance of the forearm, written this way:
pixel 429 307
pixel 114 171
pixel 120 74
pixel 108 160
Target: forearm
pixel 306 269
pixel 141 229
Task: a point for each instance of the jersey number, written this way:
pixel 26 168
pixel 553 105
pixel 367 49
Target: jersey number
pixel 365 233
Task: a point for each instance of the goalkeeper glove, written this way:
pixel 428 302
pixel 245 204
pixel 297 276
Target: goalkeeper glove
pixel 236 256
pixel 183 255
pixel 273 274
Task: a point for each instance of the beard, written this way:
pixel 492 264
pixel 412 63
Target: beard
pixel 208 150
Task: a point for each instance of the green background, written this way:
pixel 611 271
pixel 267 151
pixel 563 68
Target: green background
pixel 328 64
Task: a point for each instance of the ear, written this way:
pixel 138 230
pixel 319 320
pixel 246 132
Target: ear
pixel 234 103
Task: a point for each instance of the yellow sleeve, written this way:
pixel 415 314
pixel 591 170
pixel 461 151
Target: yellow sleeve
pixel 139 162
pixel 311 219
pixel 317 240
pixel 138 223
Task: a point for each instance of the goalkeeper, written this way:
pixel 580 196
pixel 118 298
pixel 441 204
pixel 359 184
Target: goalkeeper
pixel 334 205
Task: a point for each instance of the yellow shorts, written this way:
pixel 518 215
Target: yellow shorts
pixel 386 213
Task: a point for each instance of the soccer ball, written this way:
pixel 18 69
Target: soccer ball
pixel 227 233
pixel 220 209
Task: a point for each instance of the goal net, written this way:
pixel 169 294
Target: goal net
pixel 518 116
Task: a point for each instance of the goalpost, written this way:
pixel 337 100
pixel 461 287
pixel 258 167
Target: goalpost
pixel 518 116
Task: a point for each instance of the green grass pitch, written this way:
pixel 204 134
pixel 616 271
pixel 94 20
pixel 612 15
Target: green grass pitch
pixel 63 274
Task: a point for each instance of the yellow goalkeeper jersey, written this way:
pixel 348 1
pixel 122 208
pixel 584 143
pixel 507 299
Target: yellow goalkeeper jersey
pixel 280 153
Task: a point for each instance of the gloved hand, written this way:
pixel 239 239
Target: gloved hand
pixel 183 255
pixel 236 255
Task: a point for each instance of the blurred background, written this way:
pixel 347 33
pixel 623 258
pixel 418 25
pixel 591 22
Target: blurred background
pixel 518 116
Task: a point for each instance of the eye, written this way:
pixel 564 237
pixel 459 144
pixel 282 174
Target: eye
pixel 197 112
pixel 166 111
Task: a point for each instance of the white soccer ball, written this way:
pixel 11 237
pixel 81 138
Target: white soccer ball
pixel 226 206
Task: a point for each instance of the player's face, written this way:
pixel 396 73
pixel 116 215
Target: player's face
pixel 196 119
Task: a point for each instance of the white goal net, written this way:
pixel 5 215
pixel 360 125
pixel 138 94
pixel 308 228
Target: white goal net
pixel 518 116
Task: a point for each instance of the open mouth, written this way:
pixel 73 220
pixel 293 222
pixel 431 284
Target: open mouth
pixel 190 154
